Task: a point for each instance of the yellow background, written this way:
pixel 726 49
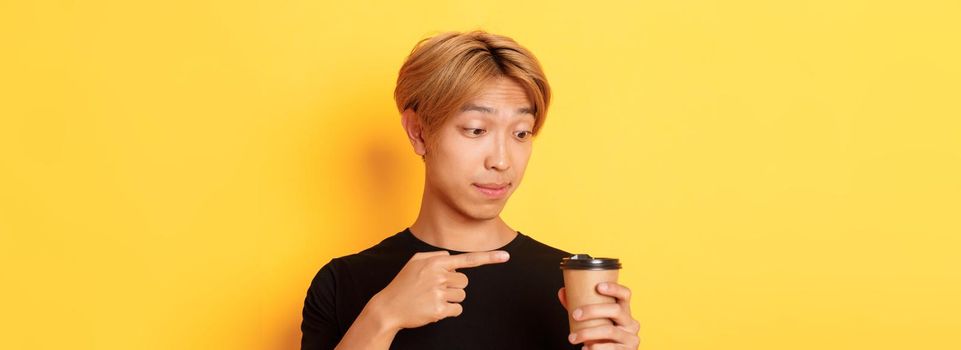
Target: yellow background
pixel 774 174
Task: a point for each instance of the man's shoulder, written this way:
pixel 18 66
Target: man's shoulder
pixel 387 253
pixel 388 249
pixel 541 250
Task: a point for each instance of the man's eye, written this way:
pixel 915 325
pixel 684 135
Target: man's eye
pixel 475 131
pixel 523 134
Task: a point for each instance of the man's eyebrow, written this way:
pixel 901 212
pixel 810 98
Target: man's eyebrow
pixel 473 107
pixel 485 109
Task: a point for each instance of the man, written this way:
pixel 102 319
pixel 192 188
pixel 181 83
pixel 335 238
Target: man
pixel 459 277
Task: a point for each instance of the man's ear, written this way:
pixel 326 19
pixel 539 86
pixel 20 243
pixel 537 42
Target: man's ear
pixel 414 131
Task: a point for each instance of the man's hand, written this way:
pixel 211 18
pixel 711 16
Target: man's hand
pixel 621 335
pixel 428 288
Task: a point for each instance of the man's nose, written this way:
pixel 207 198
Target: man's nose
pixel 499 157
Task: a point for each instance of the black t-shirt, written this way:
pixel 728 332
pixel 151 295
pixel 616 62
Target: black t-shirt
pixel 511 305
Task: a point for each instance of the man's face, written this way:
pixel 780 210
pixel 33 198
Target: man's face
pixel 478 156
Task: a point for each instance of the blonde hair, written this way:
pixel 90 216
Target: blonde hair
pixel 444 71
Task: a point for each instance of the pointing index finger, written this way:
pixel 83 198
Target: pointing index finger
pixel 474 259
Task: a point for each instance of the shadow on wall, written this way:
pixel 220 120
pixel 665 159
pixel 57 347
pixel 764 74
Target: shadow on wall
pixel 373 184
pixel 386 177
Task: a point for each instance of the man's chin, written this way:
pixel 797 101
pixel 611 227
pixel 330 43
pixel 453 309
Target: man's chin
pixel 486 211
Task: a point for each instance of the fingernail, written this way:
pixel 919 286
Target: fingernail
pixel 502 256
pixel 572 338
pixel 602 287
pixel 576 314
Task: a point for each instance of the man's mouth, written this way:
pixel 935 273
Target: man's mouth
pixel 493 190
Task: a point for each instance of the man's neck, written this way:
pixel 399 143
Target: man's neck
pixel 441 226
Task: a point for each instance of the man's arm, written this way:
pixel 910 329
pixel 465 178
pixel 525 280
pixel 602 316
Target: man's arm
pixel 319 326
pixel 427 289
pixel 371 330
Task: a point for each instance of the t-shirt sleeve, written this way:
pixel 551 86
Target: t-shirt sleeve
pixel 319 327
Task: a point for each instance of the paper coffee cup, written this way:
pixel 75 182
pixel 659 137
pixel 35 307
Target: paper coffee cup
pixel 582 274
